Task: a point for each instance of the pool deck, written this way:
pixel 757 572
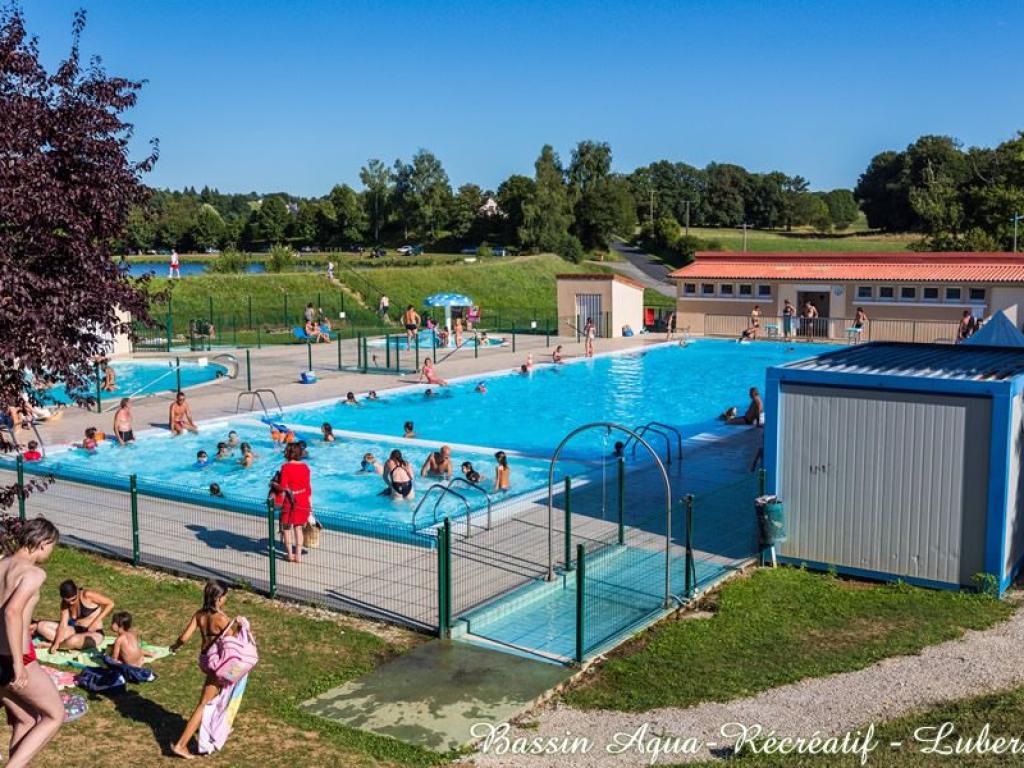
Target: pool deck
pixel 278 368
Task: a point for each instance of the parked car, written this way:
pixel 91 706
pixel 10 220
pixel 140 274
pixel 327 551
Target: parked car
pixel 213 251
pixel 404 250
pixel 357 249
pixel 379 253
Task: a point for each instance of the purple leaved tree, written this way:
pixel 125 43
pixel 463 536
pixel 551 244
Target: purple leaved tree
pixel 66 188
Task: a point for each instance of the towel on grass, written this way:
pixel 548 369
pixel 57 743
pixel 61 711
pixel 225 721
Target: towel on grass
pixel 219 717
pixel 113 675
pixel 60 678
pixel 90 657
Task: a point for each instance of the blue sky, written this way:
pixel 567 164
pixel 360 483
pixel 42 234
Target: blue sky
pixel 270 95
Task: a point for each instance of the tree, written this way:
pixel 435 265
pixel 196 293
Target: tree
pixel 882 196
pixel 606 208
pixel 591 163
pixel 547 216
pixel 513 194
pixel 349 215
pixel 465 215
pixel 67 187
pixel 727 191
pixel 842 208
pixel 272 219
pixel 208 229
pixel 376 177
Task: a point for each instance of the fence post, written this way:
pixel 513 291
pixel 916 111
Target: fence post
pixel 248 370
pixel 762 481
pixel 622 499
pixel 366 355
pixel 444 579
pixel 285 316
pixel 339 351
pixel 513 338
pixel 319 301
pixel 309 355
pixel 21 488
pixel 259 337
pixel 476 344
pixel 387 354
pixel 581 570
pixel 398 354
pixel 359 350
pixel 177 374
pixel 99 389
pixel 210 311
pixel 691 573
pixel 133 488
pixel 271 548
pixel 568 523
pixel 234 329
pixel 547 332
pixel 170 329
pixel 417 351
pixel 250 311
pixel 433 344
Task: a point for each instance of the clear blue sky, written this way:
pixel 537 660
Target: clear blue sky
pixel 295 95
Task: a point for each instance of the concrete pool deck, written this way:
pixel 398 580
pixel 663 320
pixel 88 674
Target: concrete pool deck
pixel 278 367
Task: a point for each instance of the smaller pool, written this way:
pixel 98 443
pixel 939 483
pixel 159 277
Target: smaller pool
pixel 426 339
pixel 136 378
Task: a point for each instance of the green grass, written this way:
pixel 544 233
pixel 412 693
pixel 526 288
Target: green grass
pixel 1003 712
pixel 762 240
pixel 776 627
pixel 300 657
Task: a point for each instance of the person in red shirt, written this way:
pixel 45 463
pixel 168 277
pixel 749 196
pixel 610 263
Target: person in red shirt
pixel 32 454
pixel 296 500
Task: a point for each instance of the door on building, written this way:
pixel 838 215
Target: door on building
pixel 820 300
pixel 588 306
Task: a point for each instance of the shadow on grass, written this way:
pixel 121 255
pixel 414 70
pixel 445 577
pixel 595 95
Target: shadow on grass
pixel 165 725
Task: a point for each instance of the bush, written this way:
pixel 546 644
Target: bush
pixel 281 259
pixel 572 250
pixel 229 262
pixel 484 251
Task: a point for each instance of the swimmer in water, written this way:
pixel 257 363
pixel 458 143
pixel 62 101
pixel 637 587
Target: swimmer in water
pixel 248 457
pixel 90 441
pixel 202 460
pixel 481 388
pixel 430 393
pixel 370 465
pixel 409 430
pixel 215 490
pixel 469 473
pixel 350 399
pixel 372 395
pixel 556 356
pixel 328 432
pixel 223 452
pixel 233 441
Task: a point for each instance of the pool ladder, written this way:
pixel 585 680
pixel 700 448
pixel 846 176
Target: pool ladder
pixel 256 395
pixel 446 489
pixel 664 430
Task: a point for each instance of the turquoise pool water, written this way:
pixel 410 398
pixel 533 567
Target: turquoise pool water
pixel 524 414
pixel 137 378
pixel 686 387
pixel 426 340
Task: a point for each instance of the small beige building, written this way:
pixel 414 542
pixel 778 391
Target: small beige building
pixel 912 296
pixel 614 302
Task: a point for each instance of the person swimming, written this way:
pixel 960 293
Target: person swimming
pixel 350 399
pixel 556 356
pixel 430 393
pixel 370 465
pixel 215 490
pixel 469 473
pixel 372 395
pixel 523 369
pixel 481 388
pixel 233 441
pixel 328 432
pixel 400 478
pixel 223 452
pixel 91 440
pixel 248 457
pixel 202 460
pixel 410 432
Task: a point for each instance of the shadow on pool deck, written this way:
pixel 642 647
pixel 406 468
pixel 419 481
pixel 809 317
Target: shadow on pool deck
pixel 432 696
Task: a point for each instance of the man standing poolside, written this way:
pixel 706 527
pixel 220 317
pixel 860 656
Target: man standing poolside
pixel 34 708
pixel 438 463
pixel 411 321
pixel 179 416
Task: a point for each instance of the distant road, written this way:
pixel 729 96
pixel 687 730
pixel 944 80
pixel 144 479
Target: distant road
pixel 643 267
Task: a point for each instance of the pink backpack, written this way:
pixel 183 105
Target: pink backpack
pixel 231 657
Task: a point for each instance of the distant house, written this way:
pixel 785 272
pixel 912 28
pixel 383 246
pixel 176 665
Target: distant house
pixel 490 208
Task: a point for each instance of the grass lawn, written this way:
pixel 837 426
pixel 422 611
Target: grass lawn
pixel 302 653
pixel 760 240
pixel 776 627
pixel 1002 712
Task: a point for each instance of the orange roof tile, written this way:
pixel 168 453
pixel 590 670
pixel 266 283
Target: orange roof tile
pixel 941 267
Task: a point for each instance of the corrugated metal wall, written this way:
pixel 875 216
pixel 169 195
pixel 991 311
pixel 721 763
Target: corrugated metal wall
pixel 885 481
pixel 1015 500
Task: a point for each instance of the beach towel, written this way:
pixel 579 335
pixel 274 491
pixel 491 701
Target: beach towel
pixel 90 658
pixel 219 717
pixel 60 678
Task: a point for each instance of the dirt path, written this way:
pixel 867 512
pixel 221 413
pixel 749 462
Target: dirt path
pixel 978 663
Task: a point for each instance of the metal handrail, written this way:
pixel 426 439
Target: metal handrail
pixel 257 394
pixel 230 358
pixel 678 433
pixel 640 431
pixel 476 487
pixel 444 490
pixel 17 445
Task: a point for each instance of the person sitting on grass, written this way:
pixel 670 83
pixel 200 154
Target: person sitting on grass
pixel 127 647
pixel 80 625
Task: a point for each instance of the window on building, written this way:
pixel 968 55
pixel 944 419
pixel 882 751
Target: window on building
pixel 707 289
pixel 976 294
pixel 952 294
pixel 725 289
pixel 764 290
pixel 865 292
pixel 886 292
pixel 908 293
pixel 930 294
pixel 689 288
pixel 746 289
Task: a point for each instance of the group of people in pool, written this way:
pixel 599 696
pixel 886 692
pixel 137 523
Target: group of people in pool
pixel 398 474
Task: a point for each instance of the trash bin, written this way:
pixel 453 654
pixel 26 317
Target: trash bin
pixel 771 521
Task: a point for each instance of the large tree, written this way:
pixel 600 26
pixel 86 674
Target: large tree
pixel 513 194
pixel 547 216
pixel 376 178
pixel 67 186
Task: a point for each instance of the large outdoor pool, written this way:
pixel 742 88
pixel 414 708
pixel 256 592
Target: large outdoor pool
pixel 526 415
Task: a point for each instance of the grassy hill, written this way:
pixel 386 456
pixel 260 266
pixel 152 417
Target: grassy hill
pixel 761 240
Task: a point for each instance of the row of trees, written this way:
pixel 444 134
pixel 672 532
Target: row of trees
pixel 567 208
pixel 958 199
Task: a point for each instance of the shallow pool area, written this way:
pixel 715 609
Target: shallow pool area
pixel 138 378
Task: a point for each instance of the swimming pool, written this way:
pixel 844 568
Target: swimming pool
pixel 137 378
pixel 526 415
pixel 426 340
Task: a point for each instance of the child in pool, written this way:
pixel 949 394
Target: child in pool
pixel 469 473
pixel 409 431
pixel 216 491
pixel 350 399
pixel 372 395
pixel 248 457
pixel 502 473
pixel 32 454
pixel 91 440
pixel 127 647
pixel 223 452
pixel 481 388
pixel 328 432
pixel 233 441
pixel 370 465
pixel 202 460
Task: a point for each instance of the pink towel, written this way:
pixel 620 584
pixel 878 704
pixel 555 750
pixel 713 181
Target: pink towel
pixel 219 717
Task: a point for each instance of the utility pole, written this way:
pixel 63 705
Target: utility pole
pixel 652 209
pixel 745 237
pixel 687 217
pixel 1016 220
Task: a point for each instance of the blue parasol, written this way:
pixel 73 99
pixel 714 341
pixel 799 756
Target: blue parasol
pixel 448 300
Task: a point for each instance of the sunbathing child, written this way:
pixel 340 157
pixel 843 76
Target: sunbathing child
pixel 328 432
pixel 127 648
pixel 430 374
pixel 202 460
pixel 32 454
pixel 248 457
pixel 223 452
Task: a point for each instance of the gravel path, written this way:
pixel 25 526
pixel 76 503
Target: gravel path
pixel 980 662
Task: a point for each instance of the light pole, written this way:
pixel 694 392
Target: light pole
pixel 1016 220
pixel 745 225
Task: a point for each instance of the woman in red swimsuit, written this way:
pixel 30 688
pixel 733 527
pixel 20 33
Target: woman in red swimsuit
pixel 296 502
